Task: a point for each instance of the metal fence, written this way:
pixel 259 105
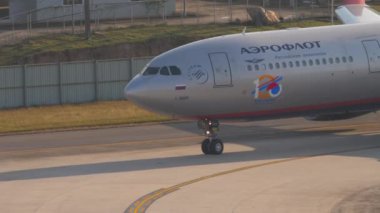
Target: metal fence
pixel 63 83
pixel 185 12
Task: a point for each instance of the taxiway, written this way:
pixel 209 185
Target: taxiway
pixel 289 165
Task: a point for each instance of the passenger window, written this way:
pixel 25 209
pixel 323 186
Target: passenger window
pixel 271 66
pixel 324 61
pixel 304 63
pixel 331 60
pixel 249 67
pixel 291 64
pixel 151 71
pixel 317 62
pixel 164 71
pixel 175 70
pixel 311 63
pixel 344 59
pixel 277 65
pixel 257 67
pixel 337 60
pixel 350 59
pixel 284 64
pixel 297 64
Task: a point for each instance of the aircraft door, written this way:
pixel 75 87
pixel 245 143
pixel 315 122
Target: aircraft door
pixel 372 49
pixel 221 69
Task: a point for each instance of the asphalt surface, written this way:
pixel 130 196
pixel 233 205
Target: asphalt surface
pixel 289 165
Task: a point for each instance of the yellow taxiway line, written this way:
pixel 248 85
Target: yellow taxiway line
pixel 143 203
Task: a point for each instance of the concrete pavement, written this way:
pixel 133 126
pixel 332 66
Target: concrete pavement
pixel 289 165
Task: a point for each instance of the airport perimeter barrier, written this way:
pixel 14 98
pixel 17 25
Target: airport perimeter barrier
pixel 107 15
pixel 66 83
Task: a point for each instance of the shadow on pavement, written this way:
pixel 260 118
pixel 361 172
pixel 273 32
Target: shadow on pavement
pixel 268 143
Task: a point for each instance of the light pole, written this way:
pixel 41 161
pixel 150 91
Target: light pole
pixel 246 9
pixel 87 15
pixel 72 17
pixel 184 8
pixel 230 9
pixel 214 11
pixel 332 12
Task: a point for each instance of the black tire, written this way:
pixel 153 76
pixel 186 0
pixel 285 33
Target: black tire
pixel 216 147
pixel 206 147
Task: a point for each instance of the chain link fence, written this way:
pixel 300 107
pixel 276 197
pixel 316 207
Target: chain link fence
pixel 69 19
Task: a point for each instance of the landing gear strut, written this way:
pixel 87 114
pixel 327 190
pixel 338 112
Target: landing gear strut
pixel 212 144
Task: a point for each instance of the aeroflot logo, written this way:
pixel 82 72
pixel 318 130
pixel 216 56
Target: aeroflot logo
pixel 267 87
pixel 196 73
pixel 284 47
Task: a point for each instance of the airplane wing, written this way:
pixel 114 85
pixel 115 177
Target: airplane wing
pixel 357 13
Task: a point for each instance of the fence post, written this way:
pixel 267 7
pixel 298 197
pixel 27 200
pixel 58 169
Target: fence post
pixel 131 61
pixel 64 18
pixel 197 13
pixel 24 95
pixel 31 23
pixel 27 23
pixel 72 17
pixel 13 24
pixel 214 11
pixel 163 10
pixel 60 95
pixel 131 12
pixel 230 9
pixel 332 12
pixel 96 80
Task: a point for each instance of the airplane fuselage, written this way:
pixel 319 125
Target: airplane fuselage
pixel 292 72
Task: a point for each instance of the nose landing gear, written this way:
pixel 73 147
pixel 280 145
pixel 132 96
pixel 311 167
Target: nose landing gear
pixel 212 144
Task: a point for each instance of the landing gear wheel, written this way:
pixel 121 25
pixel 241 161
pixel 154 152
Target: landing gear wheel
pixel 211 145
pixel 206 146
pixel 216 147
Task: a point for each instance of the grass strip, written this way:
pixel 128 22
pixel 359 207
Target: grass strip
pixel 74 116
pixel 181 34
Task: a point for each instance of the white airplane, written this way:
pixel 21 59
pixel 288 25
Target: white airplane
pixel 322 73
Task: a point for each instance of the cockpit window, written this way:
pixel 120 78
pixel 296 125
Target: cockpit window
pixel 151 71
pixel 175 70
pixel 164 71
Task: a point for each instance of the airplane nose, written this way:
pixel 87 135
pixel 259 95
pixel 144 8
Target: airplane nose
pixel 132 91
pixel 145 93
